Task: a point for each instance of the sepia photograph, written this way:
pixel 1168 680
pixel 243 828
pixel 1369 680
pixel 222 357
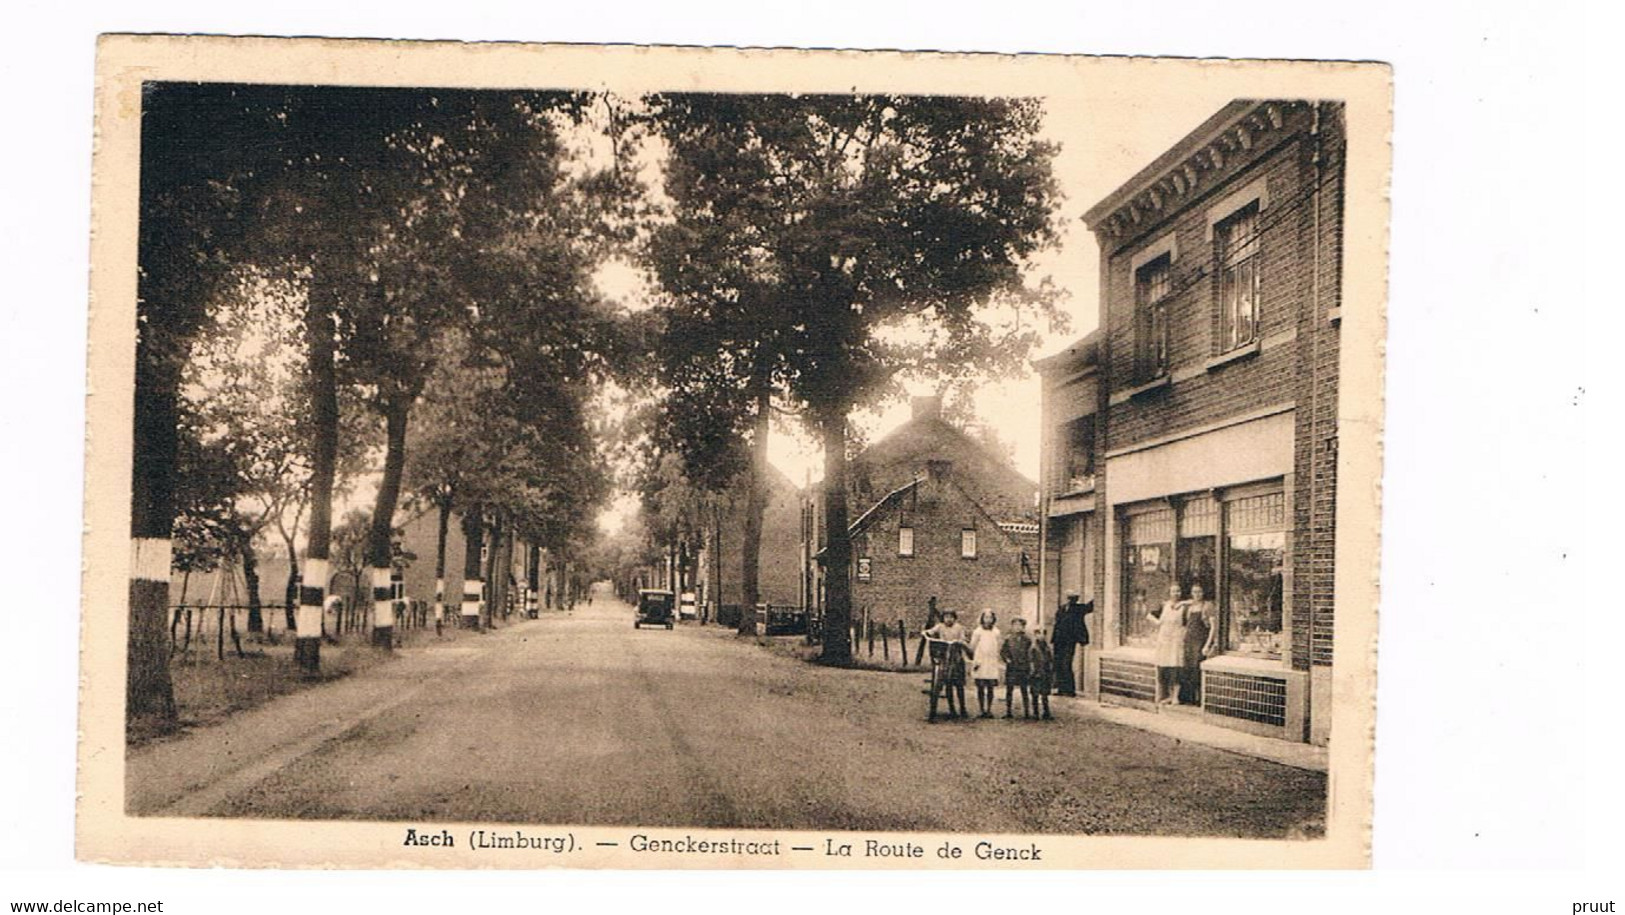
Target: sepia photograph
pixel 534 456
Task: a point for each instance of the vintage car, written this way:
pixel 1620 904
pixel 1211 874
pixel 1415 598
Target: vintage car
pixel 655 607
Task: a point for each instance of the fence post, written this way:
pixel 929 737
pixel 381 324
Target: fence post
pixel 902 642
pixel 236 639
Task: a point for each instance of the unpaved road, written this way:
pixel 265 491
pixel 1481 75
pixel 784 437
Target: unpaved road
pixel 580 719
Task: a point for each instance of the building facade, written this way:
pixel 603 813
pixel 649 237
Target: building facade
pixel 778 566
pixel 935 513
pixel 1192 440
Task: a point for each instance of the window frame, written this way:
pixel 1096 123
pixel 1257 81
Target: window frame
pixel 905 550
pixel 967 537
pixel 1153 321
pixel 1127 555
pixel 1080 463
pixel 1222 599
pixel 1233 257
pixel 1176 505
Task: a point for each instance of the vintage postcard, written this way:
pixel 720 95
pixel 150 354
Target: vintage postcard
pixel 529 456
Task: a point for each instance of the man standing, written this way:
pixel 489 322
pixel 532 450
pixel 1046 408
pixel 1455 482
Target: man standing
pixel 931 619
pixel 1071 631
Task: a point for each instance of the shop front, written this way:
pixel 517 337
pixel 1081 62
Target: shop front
pixel 1200 525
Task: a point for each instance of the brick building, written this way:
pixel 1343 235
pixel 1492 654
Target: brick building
pixel 1193 437
pixel 936 513
pixel 778 565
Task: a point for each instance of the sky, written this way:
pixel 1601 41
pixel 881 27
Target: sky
pixel 1098 151
pixel 1099 147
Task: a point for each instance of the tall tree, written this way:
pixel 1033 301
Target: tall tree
pixel 196 181
pixel 863 237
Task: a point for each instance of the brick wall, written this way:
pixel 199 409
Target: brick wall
pixel 778 567
pixel 1192 306
pixel 1301 166
pixel 900 585
pixel 1315 452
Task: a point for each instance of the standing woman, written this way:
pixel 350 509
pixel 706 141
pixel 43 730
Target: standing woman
pixel 1170 650
pixel 984 665
pixel 1200 635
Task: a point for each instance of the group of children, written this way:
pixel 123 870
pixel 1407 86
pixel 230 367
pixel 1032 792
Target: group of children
pixel 1023 662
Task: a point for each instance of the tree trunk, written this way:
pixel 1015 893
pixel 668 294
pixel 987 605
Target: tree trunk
pixel 493 572
pixel 320 327
pixel 473 538
pixel 251 583
pixel 149 694
pixel 716 560
pixel 533 579
pixel 290 597
pixel 750 544
pixel 440 564
pixel 838 548
pixel 381 535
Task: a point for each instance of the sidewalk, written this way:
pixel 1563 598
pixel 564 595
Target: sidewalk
pixel 1189 726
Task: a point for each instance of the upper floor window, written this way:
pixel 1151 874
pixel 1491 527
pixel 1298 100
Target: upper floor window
pixel 967 543
pixel 1152 284
pixel 1079 455
pixel 1238 253
pixel 905 541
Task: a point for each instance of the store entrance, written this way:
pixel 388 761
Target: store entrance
pixel 1197 563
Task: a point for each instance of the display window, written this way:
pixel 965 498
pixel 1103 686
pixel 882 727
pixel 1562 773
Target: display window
pixel 1148 569
pixel 1234 544
pixel 1255 575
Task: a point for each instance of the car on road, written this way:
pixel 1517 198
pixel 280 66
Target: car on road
pixel 655 607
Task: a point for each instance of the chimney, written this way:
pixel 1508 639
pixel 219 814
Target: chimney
pixel 928 407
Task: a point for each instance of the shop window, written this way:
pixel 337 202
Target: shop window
pixel 1237 238
pixel 1152 284
pixel 905 541
pixel 1234 545
pixel 967 543
pixel 1255 564
pixel 1148 570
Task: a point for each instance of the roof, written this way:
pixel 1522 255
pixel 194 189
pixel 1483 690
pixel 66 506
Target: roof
pixel 863 519
pixel 892 447
pixel 1168 161
pixel 1012 530
pixel 1083 351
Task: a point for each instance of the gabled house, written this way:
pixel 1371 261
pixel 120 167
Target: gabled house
pixel 936 513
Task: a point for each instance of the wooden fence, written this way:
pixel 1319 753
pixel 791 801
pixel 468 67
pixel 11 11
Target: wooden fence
pixel 209 627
